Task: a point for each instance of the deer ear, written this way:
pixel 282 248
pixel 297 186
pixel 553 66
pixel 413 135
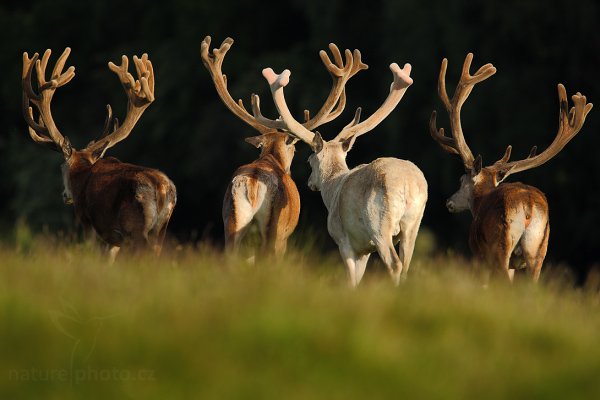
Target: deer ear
pixel 317 143
pixel 67 148
pixel 256 141
pixel 477 165
pixel 290 140
pixel 348 143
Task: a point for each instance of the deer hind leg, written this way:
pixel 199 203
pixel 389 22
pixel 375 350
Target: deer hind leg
pixel 279 245
pixel 503 261
pixel 497 257
pixel 234 233
pixel 387 252
pixel 507 242
pixel 406 243
pixel 237 222
pixel 277 233
pixel 499 262
pixel 535 245
pixel 160 230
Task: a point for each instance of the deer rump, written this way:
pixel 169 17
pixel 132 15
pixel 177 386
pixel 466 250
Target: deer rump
pixel 512 219
pixel 264 192
pixel 125 202
pixel 376 200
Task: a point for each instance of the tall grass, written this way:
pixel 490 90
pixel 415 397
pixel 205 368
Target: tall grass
pixel 196 324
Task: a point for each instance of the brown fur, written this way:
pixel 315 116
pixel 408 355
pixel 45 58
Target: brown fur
pixel 489 236
pixel 271 169
pixel 123 203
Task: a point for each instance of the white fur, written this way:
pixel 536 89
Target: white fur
pixel 245 211
pixel 371 208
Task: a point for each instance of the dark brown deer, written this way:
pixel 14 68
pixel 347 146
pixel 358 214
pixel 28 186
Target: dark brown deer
pixel 124 204
pixel 510 227
pixel 263 191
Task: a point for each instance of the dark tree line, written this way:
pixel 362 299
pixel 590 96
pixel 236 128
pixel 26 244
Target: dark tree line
pixel 189 134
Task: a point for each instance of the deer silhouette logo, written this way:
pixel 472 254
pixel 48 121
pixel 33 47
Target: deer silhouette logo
pixel 81 329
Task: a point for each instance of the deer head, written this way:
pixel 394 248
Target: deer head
pixel 44 132
pixel 329 157
pixel 272 137
pixel 481 178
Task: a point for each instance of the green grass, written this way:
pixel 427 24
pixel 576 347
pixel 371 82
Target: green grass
pixel 195 324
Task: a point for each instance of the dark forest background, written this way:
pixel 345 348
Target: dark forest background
pixel 189 133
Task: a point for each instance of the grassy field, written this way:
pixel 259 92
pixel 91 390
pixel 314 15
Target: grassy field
pixel 195 324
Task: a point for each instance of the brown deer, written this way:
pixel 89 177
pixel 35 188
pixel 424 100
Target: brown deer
pixel 263 191
pixel 124 204
pixel 510 225
pixel 371 207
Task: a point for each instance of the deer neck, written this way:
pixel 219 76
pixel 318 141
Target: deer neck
pixel 481 190
pixel 279 155
pixel 333 174
pixel 79 173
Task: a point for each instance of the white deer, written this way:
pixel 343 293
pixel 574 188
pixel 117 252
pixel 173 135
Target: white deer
pixel 373 206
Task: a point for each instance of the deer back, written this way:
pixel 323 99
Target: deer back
pixel 267 182
pixel 375 196
pixel 113 196
pixel 501 214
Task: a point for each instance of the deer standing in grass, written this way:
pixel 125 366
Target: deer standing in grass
pixel 370 207
pixel 124 204
pixel 263 191
pixel 510 227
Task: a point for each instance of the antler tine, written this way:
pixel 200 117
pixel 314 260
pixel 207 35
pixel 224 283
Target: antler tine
pixel 341 70
pixel 38 132
pixel 293 127
pixel 447 143
pixel 109 122
pixel 28 66
pixel 506 155
pixel 306 115
pixel 355 119
pixel 213 62
pixel 57 79
pixel 29 95
pixel 532 152
pixel 570 123
pixel 458 145
pixel 145 72
pixel 358 65
pixel 44 131
pixel 57 74
pixel 38 127
pixel 140 94
pixel 40 67
pixel 337 68
pixel 255 99
pixel 442 93
pixel 402 81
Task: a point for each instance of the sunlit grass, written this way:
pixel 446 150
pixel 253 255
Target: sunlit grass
pixel 197 324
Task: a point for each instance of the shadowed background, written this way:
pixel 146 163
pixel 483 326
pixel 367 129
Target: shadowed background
pixel 189 134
